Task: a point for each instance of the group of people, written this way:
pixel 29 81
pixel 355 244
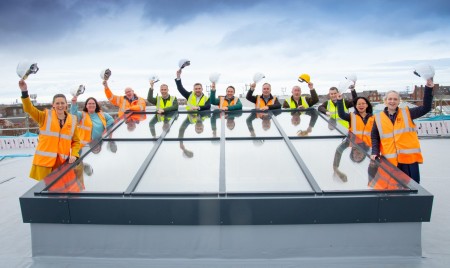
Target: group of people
pixel 390 133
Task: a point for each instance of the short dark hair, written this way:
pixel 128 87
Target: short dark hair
pixel 334 88
pixel 59 96
pixel 97 107
pixel 234 90
pixel 369 109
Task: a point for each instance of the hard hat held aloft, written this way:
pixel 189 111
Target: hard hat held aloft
pixel 304 78
pixel 214 77
pixel 105 74
pixel 183 63
pixel 352 77
pixel 78 91
pixel 258 77
pixel 424 70
pixel 155 78
pixel 25 68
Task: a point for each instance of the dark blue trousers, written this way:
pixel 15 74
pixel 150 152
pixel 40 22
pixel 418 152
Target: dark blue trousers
pixel 411 170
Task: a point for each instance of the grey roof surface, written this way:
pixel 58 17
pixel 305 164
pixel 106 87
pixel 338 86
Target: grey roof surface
pixel 15 249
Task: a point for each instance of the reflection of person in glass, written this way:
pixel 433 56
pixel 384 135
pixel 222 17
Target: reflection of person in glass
pixel 266 121
pixel 229 117
pixel 379 179
pixel 296 119
pixel 164 119
pixel 195 119
pixel 59 140
pixel 228 102
pixel 357 154
pixel 296 101
pixel 394 133
pixel 92 122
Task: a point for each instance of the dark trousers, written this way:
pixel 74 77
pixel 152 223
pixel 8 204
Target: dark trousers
pixel 411 170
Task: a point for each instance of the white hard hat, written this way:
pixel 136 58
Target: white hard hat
pixel 352 77
pixel 25 68
pixel 424 70
pixel 78 91
pixel 258 77
pixel 183 63
pixel 214 77
pixel 344 85
pixel 154 77
pixel 105 74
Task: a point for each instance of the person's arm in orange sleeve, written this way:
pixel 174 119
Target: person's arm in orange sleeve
pixel 114 99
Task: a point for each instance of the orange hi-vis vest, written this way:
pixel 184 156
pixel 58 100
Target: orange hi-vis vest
pixel 362 131
pixel 54 141
pixel 399 141
pixel 225 103
pixel 260 102
pixel 85 127
pixel 125 105
pixel 384 181
pixel 68 183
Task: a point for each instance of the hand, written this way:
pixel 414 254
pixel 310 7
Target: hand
pixel 225 108
pixel 105 83
pixel 430 83
pixel 22 85
pixel 339 96
pixel 373 157
pixel 252 86
pixel 72 159
pixel 264 108
pixel 152 82
pixel 309 129
pixel 195 108
pixel 160 111
pixel 300 107
pixel 311 86
pixel 213 86
pixel 328 113
pixel 179 74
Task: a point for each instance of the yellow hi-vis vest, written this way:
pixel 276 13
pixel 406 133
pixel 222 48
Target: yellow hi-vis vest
pixel 54 141
pixel 362 131
pixel 192 101
pixel 160 102
pixel 291 103
pixel 334 113
pixel 399 141
pixel 85 127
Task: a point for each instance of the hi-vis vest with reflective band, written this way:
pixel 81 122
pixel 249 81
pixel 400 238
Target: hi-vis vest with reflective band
pixel 384 181
pixel 399 141
pixel 53 140
pixel 225 103
pixel 361 130
pixel 124 104
pixel 160 102
pixel 68 183
pixel 85 127
pixel 291 103
pixel 260 103
pixel 194 118
pixel 192 101
pixel 332 108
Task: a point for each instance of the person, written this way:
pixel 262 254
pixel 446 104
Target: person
pixel 266 121
pixel 196 100
pixel 164 103
pixel 265 101
pixel 228 102
pixel 361 120
pixel 295 120
pixel 229 117
pixel 329 107
pixel 59 140
pixel 296 101
pixel 394 135
pixel 357 153
pixel 160 118
pixel 130 101
pixel 92 121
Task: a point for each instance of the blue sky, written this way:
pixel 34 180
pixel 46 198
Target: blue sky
pixel 72 41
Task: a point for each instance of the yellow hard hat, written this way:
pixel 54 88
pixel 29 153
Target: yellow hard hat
pixel 304 78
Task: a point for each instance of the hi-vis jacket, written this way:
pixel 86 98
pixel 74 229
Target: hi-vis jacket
pixel 225 103
pixel 53 140
pixel 292 103
pixel 160 102
pixel 261 103
pixel 362 131
pixel 332 108
pixel 136 105
pixel 194 101
pixel 399 141
pixel 85 127
pixel 383 181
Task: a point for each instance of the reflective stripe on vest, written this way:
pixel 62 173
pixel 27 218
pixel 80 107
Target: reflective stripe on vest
pixel 362 131
pixel 160 102
pixel 261 103
pixel 192 101
pixel 399 141
pixel 85 127
pixel 292 103
pixel 225 103
pixel 334 113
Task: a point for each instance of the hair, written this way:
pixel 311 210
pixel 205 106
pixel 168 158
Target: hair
pixel 267 84
pixel 353 158
pixel 198 84
pixel 392 91
pixel 369 108
pixel 97 107
pixel 164 85
pixel 59 96
pixel 334 88
pixel 234 90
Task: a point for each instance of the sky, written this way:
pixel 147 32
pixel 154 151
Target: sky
pixel 72 41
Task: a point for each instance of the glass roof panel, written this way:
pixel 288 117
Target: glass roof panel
pixel 262 166
pixel 194 125
pixel 183 167
pixel 135 127
pixel 250 125
pixel 338 167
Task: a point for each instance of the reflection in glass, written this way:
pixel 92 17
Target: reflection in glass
pixel 193 125
pixel 160 123
pixel 262 166
pixel 253 125
pixel 173 171
pixel 337 166
pixel 307 123
pixel 114 165
pixel 135 127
